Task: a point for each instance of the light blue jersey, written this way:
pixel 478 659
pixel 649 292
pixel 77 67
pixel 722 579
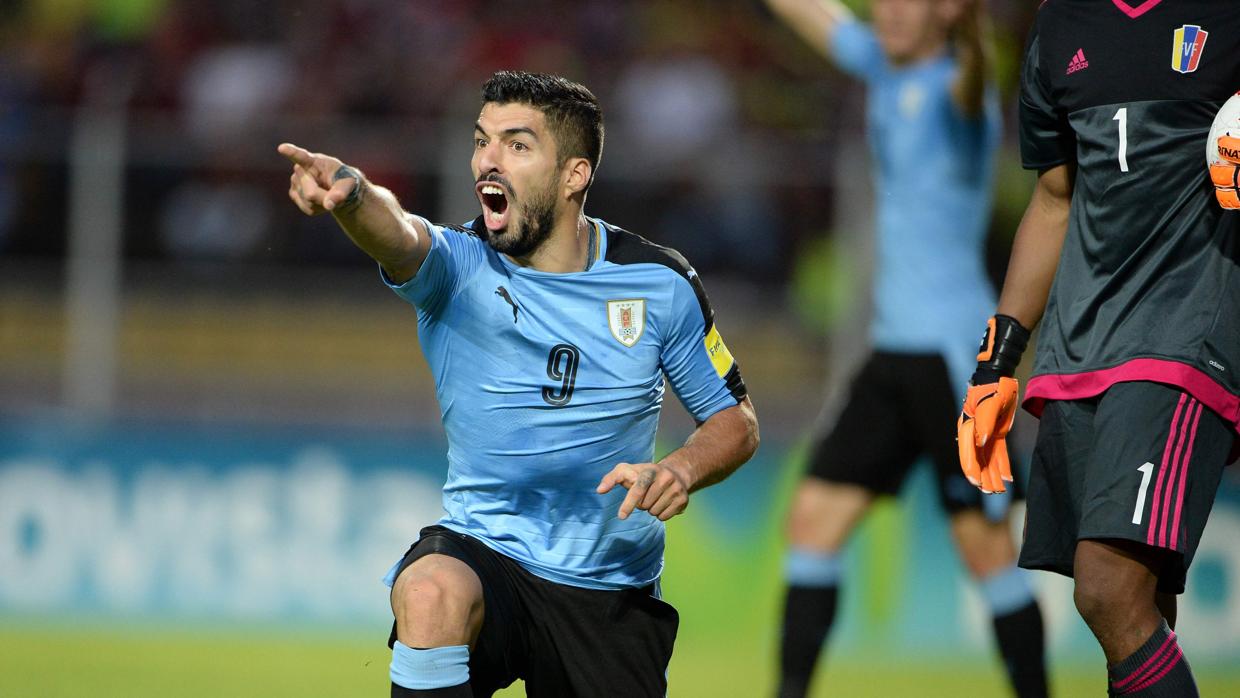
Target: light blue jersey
pixel 933 167
pixel 548 381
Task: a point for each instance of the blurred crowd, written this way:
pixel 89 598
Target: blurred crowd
pixel 721 128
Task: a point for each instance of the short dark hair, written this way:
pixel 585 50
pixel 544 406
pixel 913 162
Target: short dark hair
pixel 572 112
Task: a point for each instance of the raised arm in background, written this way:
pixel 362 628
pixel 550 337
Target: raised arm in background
pixel 813 20
pixel 971 34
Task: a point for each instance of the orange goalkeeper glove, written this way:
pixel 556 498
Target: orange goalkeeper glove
pixel 990 406
pixel 981 433
pixel 1225 175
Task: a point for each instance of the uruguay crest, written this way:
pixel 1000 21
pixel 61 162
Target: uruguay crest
pixel 1188 43
pixel 627 320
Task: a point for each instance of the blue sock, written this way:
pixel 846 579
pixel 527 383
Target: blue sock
pixel 810 568
pixel 813 579
pixel 1006 591
pixel 437 667
pixel 1018 629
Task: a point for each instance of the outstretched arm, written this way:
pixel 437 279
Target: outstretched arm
pixel 1036 249
pixel 712 452
pixel 813 20
pixel 369 214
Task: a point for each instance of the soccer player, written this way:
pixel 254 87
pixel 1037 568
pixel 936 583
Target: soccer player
pixel 933 125
pixel 549 334
pixel 1132 269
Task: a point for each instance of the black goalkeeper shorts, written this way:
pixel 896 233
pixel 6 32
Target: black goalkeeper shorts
pixel 1141 462
pixel 900 406
pixel 563 641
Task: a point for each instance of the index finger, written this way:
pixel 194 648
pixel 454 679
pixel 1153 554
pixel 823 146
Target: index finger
pixel 301 156
pixel 637 492
pixel 631 500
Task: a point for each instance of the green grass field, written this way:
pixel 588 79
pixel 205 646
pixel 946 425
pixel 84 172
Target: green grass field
pixel 56 661
pixel 726 584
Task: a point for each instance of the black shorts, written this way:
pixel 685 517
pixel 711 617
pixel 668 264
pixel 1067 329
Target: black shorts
pixel 1141 462
pixel 561 640
pixel 900 406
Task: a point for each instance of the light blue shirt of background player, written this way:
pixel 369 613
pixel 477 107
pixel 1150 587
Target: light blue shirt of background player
pixel 933 127
pixel 546 381
pixel 933 166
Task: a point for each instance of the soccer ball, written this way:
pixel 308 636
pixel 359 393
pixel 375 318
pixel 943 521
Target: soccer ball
pixel 1226 123
pixel 1223 159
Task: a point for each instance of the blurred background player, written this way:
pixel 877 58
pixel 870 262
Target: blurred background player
pixel 934 127
pixel 1135 371
pixel 549 334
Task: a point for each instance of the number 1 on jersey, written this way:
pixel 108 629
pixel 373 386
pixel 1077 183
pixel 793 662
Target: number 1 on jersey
pixel 1122 117
pixel 1146 471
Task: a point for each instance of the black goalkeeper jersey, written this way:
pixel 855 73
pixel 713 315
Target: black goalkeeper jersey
pixel 1148 285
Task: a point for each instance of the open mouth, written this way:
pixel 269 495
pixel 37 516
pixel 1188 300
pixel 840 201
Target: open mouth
pixel 495 207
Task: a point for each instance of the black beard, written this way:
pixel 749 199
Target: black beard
pixel 534 230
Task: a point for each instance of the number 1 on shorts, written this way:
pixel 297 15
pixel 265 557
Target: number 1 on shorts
pixel 1122 117
pixel 1146 470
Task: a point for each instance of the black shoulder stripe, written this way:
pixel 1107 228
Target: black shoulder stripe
pixel 624 247
pixel 736 384
pixel 471 228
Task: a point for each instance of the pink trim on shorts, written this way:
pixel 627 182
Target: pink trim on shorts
pixel 1076 386
pixel 1164 507
pixel 1174 540
pixel 1163 468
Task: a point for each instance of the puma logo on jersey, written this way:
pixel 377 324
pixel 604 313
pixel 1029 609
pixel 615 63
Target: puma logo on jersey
pixel 503 293
pixel 1078 62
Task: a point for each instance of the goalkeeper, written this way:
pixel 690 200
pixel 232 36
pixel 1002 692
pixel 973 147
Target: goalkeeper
pixel 1133 269
pixel 934 126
